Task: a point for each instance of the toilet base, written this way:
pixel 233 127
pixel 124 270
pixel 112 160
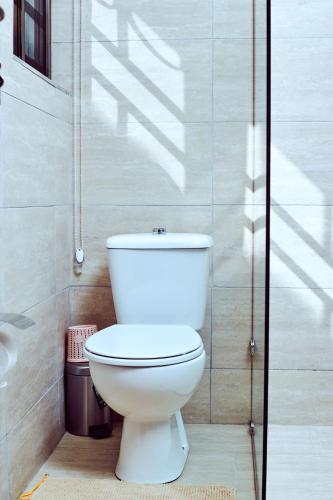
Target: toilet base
pixel 152 452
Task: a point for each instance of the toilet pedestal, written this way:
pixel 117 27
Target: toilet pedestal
pixel 152 452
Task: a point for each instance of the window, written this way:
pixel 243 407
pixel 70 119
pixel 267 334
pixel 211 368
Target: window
pixel 32 33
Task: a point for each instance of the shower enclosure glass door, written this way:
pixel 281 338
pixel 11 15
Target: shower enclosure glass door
pixel 260 269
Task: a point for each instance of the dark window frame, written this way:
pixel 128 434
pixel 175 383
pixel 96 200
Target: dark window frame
pixel 41 16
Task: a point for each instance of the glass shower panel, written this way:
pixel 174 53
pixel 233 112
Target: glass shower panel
pixel 260 185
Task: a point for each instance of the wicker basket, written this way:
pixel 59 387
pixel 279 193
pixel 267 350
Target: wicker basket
pixel 76 337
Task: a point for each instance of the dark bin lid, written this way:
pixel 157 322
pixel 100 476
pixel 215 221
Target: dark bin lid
pixel 80 369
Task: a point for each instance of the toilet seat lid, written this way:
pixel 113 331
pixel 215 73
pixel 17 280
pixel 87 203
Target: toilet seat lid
pixel 144 342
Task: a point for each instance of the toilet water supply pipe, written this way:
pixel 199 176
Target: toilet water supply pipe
pixel 77 139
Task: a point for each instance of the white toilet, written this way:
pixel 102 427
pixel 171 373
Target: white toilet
pixel 148 365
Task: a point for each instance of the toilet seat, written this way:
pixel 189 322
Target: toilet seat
pixel 144 345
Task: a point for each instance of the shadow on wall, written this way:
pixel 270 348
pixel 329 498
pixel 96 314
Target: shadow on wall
pixel 149 128
pixel 301 246
pixel 130 101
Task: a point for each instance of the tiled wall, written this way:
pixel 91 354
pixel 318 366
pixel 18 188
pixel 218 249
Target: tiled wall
pixel 301 343
pixel 35 214
pixel 166 141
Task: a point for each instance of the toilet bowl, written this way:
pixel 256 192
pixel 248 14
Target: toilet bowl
pixel 147 373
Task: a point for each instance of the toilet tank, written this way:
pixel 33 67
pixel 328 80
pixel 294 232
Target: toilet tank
pixel 159 278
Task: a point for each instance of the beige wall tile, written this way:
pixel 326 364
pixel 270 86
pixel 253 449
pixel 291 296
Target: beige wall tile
pixel 233 18
pixel 37 361
pixel 230 396
pixel 92 305
pixel 260 87
pixel 259 326
pixel 135 20
pixel 28 257
pixel 300 246
pixel 305 93
pixel 197 410
pixel 301 335
pixel 301 156
pixel 232 180
pixel 103 221
pixel 63 141
pixel 295 18
pixel 63 246
pixel 258 403
pixel 165 81
pixel 36 170
pixel 62 21
pixel 206 330
pixel 231 327
pixel 25 84
pixel 62 65
pixel 4 483
pixel 261 19
pixel 300 397
pixel 33 439
pixel 3 408
pixel 149 164
pixel 63 314
pixel 259 245
pixel 232 251
pixel 232 80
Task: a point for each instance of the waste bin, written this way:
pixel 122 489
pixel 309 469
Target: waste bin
pixel 86 412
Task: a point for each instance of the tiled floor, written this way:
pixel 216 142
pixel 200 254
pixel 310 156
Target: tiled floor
pixel 300 460
pixel 300 463
pixel 220 454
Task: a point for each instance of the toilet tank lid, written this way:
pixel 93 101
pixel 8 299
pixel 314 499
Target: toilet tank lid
pixel 165 240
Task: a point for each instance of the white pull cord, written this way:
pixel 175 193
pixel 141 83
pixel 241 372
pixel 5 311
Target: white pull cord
pixel 77 139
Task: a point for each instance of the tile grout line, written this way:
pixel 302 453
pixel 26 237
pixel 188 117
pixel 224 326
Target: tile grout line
pixel 36 107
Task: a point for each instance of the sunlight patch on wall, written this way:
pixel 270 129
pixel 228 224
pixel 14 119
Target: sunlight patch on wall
pixel 149 90
pixel 289 180
pixel 161 65
pixel 160 154
pixel 104 106
pixel 247 237
pixel 104 18
pixel 249 162
pixel 299 257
